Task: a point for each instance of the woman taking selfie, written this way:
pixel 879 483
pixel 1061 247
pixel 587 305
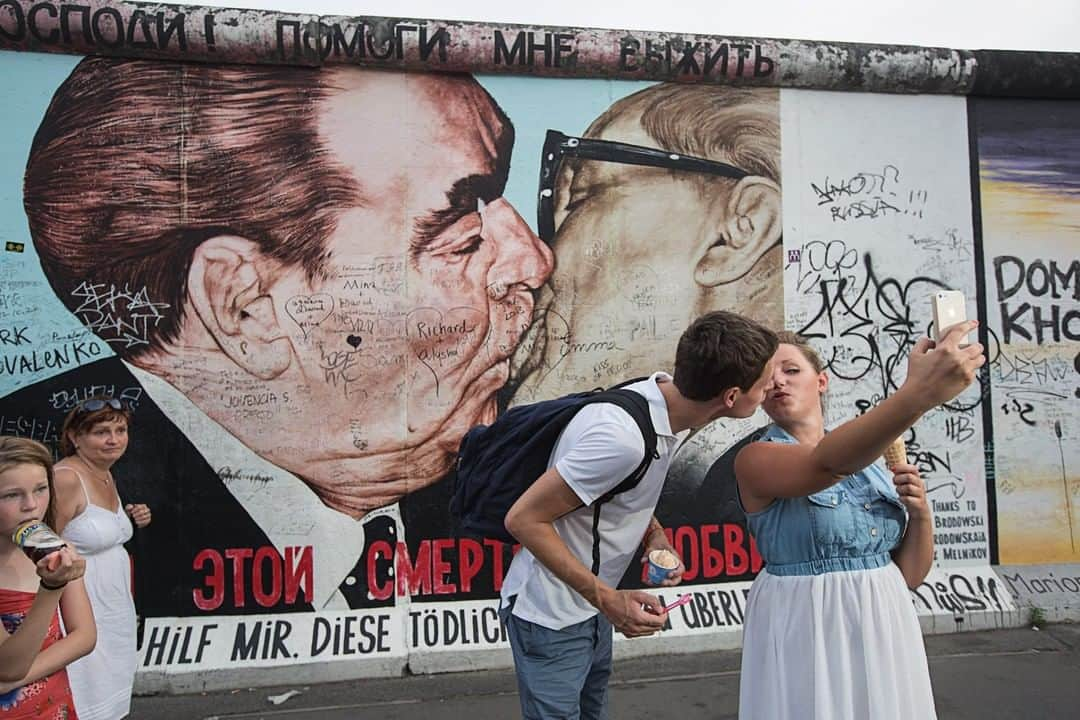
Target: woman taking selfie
pixel 830 628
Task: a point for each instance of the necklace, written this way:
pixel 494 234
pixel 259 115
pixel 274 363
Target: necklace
pixel 105 479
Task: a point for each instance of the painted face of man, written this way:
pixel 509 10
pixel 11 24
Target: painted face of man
pixel 640 252
pixel 401 343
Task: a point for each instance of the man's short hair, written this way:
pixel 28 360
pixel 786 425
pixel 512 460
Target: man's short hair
pixel 736 125
pixel 137 162
pixel 721 350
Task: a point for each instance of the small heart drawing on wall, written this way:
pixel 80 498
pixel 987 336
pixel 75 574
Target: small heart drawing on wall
pixel 308 311
pixel 445 341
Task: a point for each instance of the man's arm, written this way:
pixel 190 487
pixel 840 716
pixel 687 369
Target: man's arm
pixel 531 521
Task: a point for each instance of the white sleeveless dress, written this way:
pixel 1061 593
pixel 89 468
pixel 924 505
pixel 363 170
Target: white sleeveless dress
pixel 101 682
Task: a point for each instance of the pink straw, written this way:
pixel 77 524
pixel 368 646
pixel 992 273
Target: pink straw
pixel 681 601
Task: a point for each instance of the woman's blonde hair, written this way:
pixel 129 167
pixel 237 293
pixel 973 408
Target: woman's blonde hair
pixel 786 337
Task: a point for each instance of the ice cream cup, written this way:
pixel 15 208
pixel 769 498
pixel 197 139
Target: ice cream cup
pixel 661 564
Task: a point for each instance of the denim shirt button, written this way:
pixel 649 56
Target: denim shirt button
pixel 873 532
pixel 867 506
pixel 835 501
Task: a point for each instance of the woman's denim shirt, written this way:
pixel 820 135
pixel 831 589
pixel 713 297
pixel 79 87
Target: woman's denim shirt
pixel 852 525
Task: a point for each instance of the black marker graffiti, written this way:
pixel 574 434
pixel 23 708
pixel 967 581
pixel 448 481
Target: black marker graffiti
pixel 857 314
pixel 1038 279
pixel 957 594
pixel 869 195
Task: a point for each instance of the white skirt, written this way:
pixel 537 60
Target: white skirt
pixel 837 646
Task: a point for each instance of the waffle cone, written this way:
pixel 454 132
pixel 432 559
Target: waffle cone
pixel 896 453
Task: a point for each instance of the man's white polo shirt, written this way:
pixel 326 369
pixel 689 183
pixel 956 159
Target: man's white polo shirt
pixel 596 451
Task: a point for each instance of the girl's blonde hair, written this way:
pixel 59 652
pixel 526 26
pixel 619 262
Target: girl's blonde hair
pixel 24 451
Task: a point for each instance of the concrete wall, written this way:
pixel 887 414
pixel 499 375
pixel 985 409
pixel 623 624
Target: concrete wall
pixel 309 281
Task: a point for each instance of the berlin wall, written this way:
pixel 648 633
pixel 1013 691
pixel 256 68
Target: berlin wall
pixel 313 251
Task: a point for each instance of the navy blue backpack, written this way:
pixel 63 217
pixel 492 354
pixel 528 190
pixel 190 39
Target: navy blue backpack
pixel 496 463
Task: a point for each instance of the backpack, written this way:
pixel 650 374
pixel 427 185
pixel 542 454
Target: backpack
pixel 496 463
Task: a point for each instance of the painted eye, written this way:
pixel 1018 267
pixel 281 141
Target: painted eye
pixel 576 200
pixel 471 246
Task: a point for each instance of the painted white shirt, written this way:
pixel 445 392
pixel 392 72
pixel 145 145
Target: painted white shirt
pixel 596 451
pixel 283 506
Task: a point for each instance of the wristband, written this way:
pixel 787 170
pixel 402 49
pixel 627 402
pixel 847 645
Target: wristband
pixel 47 586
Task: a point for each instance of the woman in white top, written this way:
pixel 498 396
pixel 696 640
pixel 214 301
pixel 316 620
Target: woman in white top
pixel 91 516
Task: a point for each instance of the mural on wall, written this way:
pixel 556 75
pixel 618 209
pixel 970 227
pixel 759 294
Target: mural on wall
pixel 308 298
pixel 311 318
pixel 878 217
pixel 310 282
pixel 1029 186
pixel 645 241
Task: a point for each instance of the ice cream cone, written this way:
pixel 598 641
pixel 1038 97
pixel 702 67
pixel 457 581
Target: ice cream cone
pixel 895 453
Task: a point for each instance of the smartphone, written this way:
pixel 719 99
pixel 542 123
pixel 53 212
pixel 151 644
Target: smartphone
pixel 949 308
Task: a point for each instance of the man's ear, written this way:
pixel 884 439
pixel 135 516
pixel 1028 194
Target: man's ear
pixel 750 224
pixel 226 289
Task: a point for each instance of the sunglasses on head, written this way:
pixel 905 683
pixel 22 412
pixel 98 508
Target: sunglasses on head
pixel 95 404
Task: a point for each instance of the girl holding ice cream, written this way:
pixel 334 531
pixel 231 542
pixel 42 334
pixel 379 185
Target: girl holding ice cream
pixel 36 596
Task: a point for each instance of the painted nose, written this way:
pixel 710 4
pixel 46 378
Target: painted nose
pixel 522 258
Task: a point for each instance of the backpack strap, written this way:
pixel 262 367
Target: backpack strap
pixel 637 406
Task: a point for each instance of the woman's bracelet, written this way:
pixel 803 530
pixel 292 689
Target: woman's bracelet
pixel 47 586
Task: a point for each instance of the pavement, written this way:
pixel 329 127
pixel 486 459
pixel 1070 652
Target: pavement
pixel 1003 674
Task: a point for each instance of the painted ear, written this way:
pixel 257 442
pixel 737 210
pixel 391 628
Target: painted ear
pixel 226 290
pixel 750 225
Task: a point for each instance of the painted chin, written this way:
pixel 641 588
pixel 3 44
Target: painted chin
pixel 487 385
pixel 481 392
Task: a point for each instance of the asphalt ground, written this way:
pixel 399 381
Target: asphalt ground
pixel 1002 674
